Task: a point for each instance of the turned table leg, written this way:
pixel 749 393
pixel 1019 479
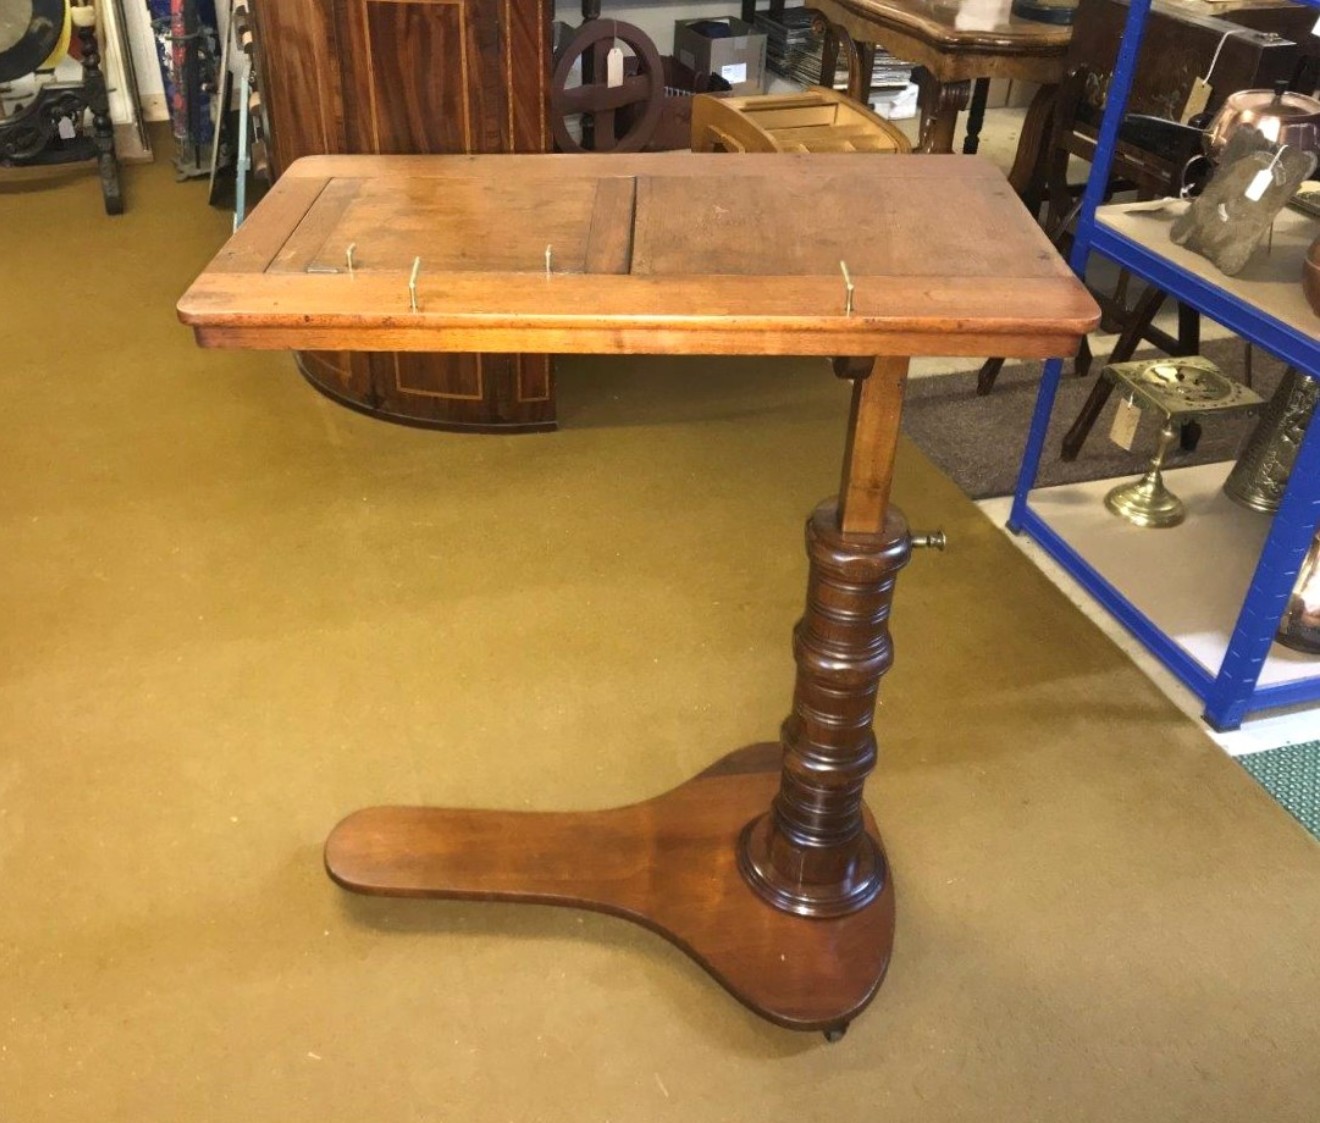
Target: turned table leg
pixel 941 102
pixel 791 909
pixel 810 853
pixel 976 116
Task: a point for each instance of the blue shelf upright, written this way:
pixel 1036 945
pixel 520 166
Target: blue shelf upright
pixel 1233 692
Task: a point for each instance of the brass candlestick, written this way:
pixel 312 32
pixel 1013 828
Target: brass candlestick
pixel 1147 501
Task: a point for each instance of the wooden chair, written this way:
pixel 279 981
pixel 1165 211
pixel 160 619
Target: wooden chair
pixel 1238 46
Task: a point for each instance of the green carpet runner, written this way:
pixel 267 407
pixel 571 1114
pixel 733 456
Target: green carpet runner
pixel 1291 774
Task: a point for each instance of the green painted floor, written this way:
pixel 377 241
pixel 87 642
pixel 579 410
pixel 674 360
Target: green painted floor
pixel 1291 774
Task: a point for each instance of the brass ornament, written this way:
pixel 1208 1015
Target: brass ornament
pixel 1259 477
pixel 1148 501
pixel 1179 390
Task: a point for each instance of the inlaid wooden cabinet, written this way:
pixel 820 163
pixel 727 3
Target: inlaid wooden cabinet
pixel 398 77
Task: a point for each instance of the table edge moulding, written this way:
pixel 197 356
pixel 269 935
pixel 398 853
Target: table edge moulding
pixel 767 868
pixel 1233 691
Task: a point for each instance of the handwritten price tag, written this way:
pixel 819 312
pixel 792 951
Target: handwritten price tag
pixel 1124 430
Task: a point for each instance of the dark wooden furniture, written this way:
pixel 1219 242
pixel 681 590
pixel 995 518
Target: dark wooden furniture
pixel 767 867
pixel 952 51
pixel 33 137
pixel 602 109
pixel 1239 43
pixel 414 76
pixel 1249 47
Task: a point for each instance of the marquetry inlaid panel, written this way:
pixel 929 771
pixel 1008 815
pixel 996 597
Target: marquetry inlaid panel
pixel 398 77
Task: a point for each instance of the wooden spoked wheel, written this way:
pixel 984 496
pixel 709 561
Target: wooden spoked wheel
pixel 598 102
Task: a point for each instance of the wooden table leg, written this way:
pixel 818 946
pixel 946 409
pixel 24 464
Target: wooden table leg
pixel 941 102
pixel 790 909
pixel 976 116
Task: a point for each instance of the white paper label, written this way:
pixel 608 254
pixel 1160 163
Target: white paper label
pixel 1260 183
pixel 66 129
pixel 1198 97
pixel 1124 430
pixel 734 73
pixel 614 67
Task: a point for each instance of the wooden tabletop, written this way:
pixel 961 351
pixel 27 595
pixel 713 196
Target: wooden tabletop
pixel 652 253
pixel 966 25
pixel 957 40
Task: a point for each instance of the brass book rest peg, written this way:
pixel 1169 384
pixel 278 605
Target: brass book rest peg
pixel 412 283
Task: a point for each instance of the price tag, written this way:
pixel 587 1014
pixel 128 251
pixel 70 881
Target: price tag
pixel 1260 183
pixel 1124 430
pixel 66 129
pixel 614 67
pixel 1198 97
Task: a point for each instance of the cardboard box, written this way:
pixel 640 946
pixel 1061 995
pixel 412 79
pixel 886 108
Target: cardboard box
pixel 738 58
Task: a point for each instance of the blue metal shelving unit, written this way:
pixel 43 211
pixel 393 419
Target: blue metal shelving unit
pixel 1232 693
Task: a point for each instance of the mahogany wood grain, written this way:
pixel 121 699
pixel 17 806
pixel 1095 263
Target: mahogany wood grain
pixel 930 33
pixel 703 279
pixel 948 53
pixel 669 864
pixel 766 868
pixel 811 854
pixel 868 458
pixel 412 76
pixel 610 238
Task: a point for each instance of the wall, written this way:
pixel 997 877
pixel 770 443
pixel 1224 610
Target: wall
pixel 145 59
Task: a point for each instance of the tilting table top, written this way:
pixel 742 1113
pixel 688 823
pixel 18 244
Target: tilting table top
pixel 653 253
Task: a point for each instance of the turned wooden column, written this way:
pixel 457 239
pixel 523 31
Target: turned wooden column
pixel 811 853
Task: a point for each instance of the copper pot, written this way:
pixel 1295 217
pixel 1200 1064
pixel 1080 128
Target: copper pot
pixel 1300 627
pixel 1281 116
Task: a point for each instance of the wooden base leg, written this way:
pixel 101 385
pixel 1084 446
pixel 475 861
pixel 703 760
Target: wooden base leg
pixel 668 864
pixel 791 909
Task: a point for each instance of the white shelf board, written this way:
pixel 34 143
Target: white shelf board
pixel 1189 580
pixel 1271 282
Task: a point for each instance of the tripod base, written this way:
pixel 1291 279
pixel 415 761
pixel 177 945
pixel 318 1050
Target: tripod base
pixel 669 864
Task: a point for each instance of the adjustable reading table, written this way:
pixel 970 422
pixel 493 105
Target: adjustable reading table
pixel 767 867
